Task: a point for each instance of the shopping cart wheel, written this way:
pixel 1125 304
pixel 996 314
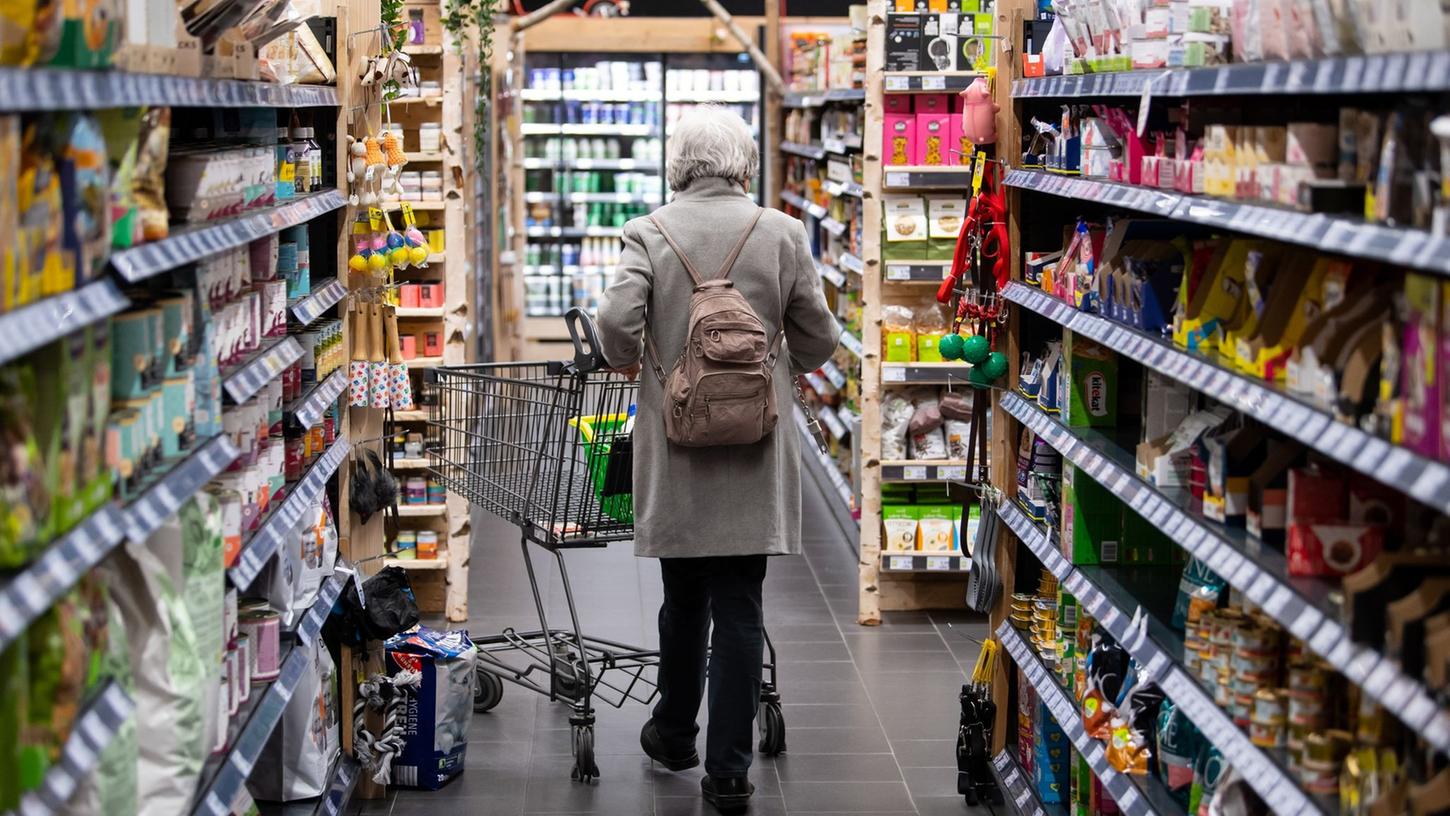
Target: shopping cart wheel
pixel 487 689
pixel 772 729
pixel 585 770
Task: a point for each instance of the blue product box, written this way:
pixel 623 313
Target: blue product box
pixel 440 707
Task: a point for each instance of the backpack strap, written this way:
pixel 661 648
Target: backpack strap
pixel 729 259
pixel 679 253
pixel 729 264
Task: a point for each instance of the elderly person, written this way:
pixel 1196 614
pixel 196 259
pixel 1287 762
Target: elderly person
pixel 713 514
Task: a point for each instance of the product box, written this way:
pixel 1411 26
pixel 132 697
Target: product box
pixel 1231 458
pixel 932 147
pixel 903 42
pixel 1419 389
pixel 939 42
pixel 1092 383
pixel 945 218
pixel 900 525
pixel 1092 519
pixel 1051 753
pixel 904 222
pixel 898 138
pixel 897 103
pixel 1442 364
pixel 1166 403
pixel 1166 461
pixel 435 736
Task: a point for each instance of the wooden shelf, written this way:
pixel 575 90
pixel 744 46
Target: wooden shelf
pixel 410 416
pixel 422 510
pixel 428 156
pixel 423 50
pixel 440 563
pixel 402 463
pixel 424 362
pixel 420 312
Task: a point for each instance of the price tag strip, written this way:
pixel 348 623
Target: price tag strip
pixel 37 89
pixel 809 151
pixel 833 423
pixel 322 298
pixel 851 263
pixel 283 517
pixel 831 274
pixel 1417 249
pixel 164 497
pixel 1016 786
pixel 1123 788
pixel 1301 606
pixel 242 382
pixel 89 736
pixel 1032 535
pixel 309 409
pixel 339 791
pixel 933 178
pixel 189 244
pixel 851 342
pixel 29 327
pixel 38 586
pixel 1423 479
pixel 224 776
pixel 794 200
pixel 923 562
pixel 938 374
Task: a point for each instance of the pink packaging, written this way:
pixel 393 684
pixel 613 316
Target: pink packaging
pixel 274 308
pixel 1130 169
pixel 961 149
pixel 933 103
pixel 898 142
pixel 408 296
pixel 430 295
pixel 898 103
pixel 1418 388
pixel 1444 369
pixel 933 139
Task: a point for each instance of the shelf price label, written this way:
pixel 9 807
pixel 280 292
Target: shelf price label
pixel 914 473
pixel 898 179
pixel 934 83
pixel 952 473
pixel 899 562
pixel 897 83
pixel 893 374
pixel 938 563
pixel 898 272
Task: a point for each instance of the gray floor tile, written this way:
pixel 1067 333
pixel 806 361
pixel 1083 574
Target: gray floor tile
pixel 931 782
pixel 845 797
pixel 687 783
pixel 796 766
pixel 696 806
pixel 868 740
pixel 827 715
pixel 940 660
pixel 808 652
pixel 925 753
pixel 950 806
pixel 624 786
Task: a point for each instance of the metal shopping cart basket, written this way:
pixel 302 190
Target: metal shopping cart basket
pixel 546 446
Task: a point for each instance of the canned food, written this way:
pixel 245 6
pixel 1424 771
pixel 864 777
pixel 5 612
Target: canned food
pixel 1256 639
pixel 1308 677
pixel 1266 734
pixel 1307 709
pixel 1269 706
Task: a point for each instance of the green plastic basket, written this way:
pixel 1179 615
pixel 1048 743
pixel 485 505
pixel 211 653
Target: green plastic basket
pixel 600 433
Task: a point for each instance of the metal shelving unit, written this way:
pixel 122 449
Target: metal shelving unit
pixel 57 89
pixel 28 328
pixel 92 731
pixel 274 531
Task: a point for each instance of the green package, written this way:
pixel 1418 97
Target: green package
pixel 1092 519
pixel 1092 383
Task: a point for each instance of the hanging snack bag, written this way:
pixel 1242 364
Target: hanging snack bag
pixel 898 334
pixel 896 413
pixel 436 732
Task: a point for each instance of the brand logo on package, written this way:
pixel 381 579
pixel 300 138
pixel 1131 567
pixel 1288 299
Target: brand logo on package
pixel 408 662
pixel 1097 394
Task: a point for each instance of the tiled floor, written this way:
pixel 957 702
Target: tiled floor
pixel 870 713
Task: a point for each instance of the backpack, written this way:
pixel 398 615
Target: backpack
pixel 721 391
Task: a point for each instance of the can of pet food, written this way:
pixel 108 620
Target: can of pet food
pixel 264 628
pixel 244 664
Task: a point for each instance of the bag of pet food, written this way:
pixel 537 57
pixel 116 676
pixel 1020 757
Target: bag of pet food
pixel 305 743
pixel 111 789
pixel 440 706
pixel 296 575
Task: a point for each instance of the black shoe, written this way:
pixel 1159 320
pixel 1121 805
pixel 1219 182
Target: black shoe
pixel 729 795
pixel 654 747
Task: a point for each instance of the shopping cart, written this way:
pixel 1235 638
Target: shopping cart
pixel 547 447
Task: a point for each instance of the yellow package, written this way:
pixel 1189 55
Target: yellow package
pixel 898 334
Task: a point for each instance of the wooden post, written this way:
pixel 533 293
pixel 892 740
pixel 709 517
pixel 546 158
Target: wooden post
pixel 869 603
pixel 458 326
pixel 774 116
pixel 766 67
pixel 1005 430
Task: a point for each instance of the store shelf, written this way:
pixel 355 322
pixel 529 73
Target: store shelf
pixel 1157 650
pixel 277 528
pixel 308 409
pixel 404 463
pixel 423 564
pixel 223 776
pixel 831 274
pixel 832 226
pixel 422 50
pixel 925 562
pixel 422 510
pixel 242 381
pixel 30 327
pixel 911 471
pixel 851 343
pixel 58 89
pixel 900 177
pixel 809 151
pixel 431 99
pixel 314 305
pixel 1017 790
pixel 1032 535
pixel 426 157
pixel 574 232
pixel 843 145
pixel 588 130
pixel 182 479
pixel 420 312
pixel 92 731
pixel 342 782
pixel 589 95
pixel 925 373
pixel 1353 237
pixel 933 272
pixel 36 587
pixel 1377 73
pixel 1305 607
pixel 918 81
pixel 837 189
pixel 1136 795
pixel 815 99
pixel 818 384
pixel 591 164
pixel 718 97
pixel 424 362
pixel 410 416
pixel 795 200
pixel 188 243
pixel 832 423
pixel 851 263
pixel 1419 477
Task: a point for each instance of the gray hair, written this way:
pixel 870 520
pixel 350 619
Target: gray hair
pixel 711 141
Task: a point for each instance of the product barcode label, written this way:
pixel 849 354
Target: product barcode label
pixel 914 473
pixel 897 272
pixel 898 179
pixel 893 374
pixel 900 562
pixel 1110 552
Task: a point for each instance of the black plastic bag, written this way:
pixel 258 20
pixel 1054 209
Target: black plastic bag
pixel 390 608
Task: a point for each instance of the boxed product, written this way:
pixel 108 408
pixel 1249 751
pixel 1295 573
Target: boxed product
pixel 1092 519
pixel 904 222
pixel 440 708
pixel 1092 382
pixel 1420 392
pixel 898 138
pixel 903 42
pixel 946 217
pixel 1323 539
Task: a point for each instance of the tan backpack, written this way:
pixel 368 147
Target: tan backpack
pixel 721 390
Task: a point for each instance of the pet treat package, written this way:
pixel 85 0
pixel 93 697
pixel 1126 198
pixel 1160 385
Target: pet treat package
pixel 439 707
pixel 304 745
pixel 111 789
pixel 300 570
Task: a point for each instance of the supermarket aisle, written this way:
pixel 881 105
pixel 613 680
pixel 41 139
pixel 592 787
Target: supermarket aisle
pixel 871 713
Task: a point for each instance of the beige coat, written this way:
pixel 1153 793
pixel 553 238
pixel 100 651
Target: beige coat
pixel 734 500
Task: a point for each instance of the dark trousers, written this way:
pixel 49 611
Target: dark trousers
pixel 727 591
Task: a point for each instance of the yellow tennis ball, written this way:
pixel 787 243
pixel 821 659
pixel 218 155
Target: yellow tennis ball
pixel 400 256
pixel 357 263
pixel 377 262
pixel 418 255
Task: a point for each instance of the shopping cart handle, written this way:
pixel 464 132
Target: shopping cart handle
pixel 586 360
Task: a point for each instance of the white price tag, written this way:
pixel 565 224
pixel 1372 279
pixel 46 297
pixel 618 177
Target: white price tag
pixel 938 563
pixel 952 473
pixel 933 83
pixel 898 180
pixel 914 473
pixel 897 83
pixel 897 272
pixel 894 374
